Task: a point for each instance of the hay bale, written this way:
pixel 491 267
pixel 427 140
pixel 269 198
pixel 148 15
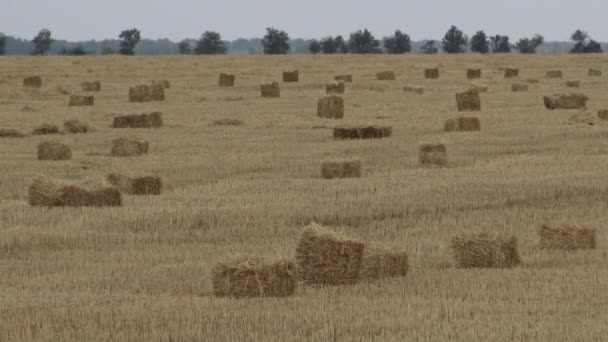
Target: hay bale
pixel 270 90
pixel 432 73
pixel 327 258
pixel 32 82
pixel 123 147
pixel 519 87
pixel 46 129
pixel 138 185
pixel 362 132
pixel 532 80
pixel 226 80
pixel 566 101
pixel 50 192
pixel 291 76
pixel 433 154
pixel 344 78
pixel 75 127
pixel 468 101
pixel 595 73
pixel 91 86
pixel 386 76
pixel 150 120
pixel 54 150
pixel 582 117
pixel 554 74
pixel 485 251
pixel 341 169
pixel 157 92
pixel 567 237
pixel 227 122
pixel 254 277
pixel 479 88
pixel 473 74
pixel 463 124
pixel 602 114
pixel 139 93
pixel 511 72
pixel 380 263
pixel 335 88
pixel 79 100
pixel 414 90
pixel 573 84
pixel 10 133
pixel 331 107
pixel 166 84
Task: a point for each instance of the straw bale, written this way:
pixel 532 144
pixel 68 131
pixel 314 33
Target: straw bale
pixel 362 132
pixel 414 90
pixel 139 93
pixel 335 88
pixel 165 83
pixel 46 129
pixel 519 87
pixel 291 76
pixel 573 84
pixel 271 90
pixel 10 133
pixel 157 92
pixel 49 192
pixel 226 80
pixel 341 169
pixel 150 120
pixel 123 147
pixel 566 101
pixel 433 154
pixel 567 237
pixel 603 114
pixel 228 122
pixel 511 73
pixel 75 126
pixel 91 86
pixel 595 73
pixel 136 184
pixel 54 150
pixel 485 251
pixel 468 101
pixel 432 73
pixel 32 82
pixel 380 263
pixel 554 74
pixel 344 78
pixel 532 80
pixel 331 107
pixel 463 124
pixel 386 76
pixel 473 73
pixel 80 100
pixel 254 277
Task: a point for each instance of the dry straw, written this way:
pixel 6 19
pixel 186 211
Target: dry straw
pixel 341 169
pixel 10 133
pixel 362 132
pixel 227 122
pixel 511 72
pixel 46 129
pixel 226 80
pixel 567 237
pixel 91 86
pixel 566 101
pixel 463 124
pixel 335 88
pixel 139 93
pixel 32 82
pixel 150 120
pixel 139 185
pixel 157 92
pixel 532 80
pixel 603 114
pixel 291 76
pixel 123 147
pixel 54 150
pixel 381 263
pixel 468 101
pixel 80 100
pixel 270 90
pixel 433 154
pixel 554 74
pixel 485 251
pixel 331 107
pixel 431 73
pixel 519 87
pixel 573 84
pixel 74 126
pixel 413 90
pixel 595 73
pixel 386 76
pixel 344 78
pixel 479 88
pixel 473 74
pixel 49 192
pixel 254 277
pixel 165 83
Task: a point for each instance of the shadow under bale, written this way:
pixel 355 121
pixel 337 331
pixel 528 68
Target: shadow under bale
pixel 485 251
pixel 49 192
pixel 362 132
pixel 254 277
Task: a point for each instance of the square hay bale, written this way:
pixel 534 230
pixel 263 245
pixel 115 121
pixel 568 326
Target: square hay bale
pixel 573 84
pixel 468 101
pixel 595 73
pixel 54 150
pixel 139 93
pixel 79 100
pixel 157 92
pixel 582 117
pixel 138 185
pixel 331 107
pixel 380 263
pixel 511 72
pixel 519 87
pixel 91 86
pixel 341 169
pixel 344 78
pixel 326 258
pixel 362 132
pixel 123 147
pixel 485 251
pixel 432 73
pixel 473 74
pixel 602 114
pixel 413 90
pixel 566 101
pixel 271 90
pixel 386 76
pixel 567 237
pixel 291 76
pixel 554 74
pixel 463 124
pixel 165 83
pixel 150 120
pixel 46 129
pixel 254 277
pixel 32 82
pixel 226 80
pixel 10 133
pixel 49 192
pixel 532 80
pixel 433 154
pixel 228 122
pixel 335 88
pixel 75 127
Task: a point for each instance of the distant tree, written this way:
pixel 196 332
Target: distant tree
pixel 584 44
pixel 275 42
pixel 130 39
pixel 500 44
pixel 454 41
pixel 3 40
pixel 184 47
pixel 480 42
pixel 210 44
pixel 77 50
pixel 397 44
pixel 330 45
pixel 528 46
pixel 42 42
pixel 363 42
pixel 107 50
pixel 593 47
pixel 314 47
pixel 429 48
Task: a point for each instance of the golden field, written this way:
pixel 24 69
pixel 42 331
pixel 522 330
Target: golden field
pixel 142 271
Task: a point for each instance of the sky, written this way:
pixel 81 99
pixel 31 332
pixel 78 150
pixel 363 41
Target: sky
pixel 179 19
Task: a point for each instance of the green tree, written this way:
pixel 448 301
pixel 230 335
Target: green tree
pixel 275 42
pixel 42 42
pixel 363 42
pixel 399 43
pixel 593 47
pixel 130 39
pixel 3 40
pixel 454 41
pixel 77 50
pixel 314 47
pixel 331 45
pixel 211 43
pixel 500 44
pixel 184 47
pixel 480 42
pixel 529 45
pixel 429 48
pixel 584 44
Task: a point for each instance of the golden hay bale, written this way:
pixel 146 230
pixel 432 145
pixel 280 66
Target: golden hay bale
pixel 511 73
pixel 10 133
pixel 554 74
pixel 567 237
pixel 227 122
pixel 485 251
pixel 46 129
pixel 166 84
pixel 150 120
pixel 463 124
pixel 433 154
pixel 136 185
pixel 32 82
pixel 362 132
pixel 331 107
pixel 226 80
pixel 75 126
pixel 271 90
pixel 54 150
pixel 139 93
pixel 414 90
pixel 291 76
pixel 254 277
pixel 326 258
pixel 50 192
pixel 532 80
pixel 566 101
pixel 157 92
pixel 344 78
pixel 91 86
pixel 123 147
pixel 432 73
pixel 335 88
pixel 341 169
pixel 595 73
pixel 468 101
pixel 79 100
pixel 473 73
pixel 386 76
pixel 380 263
pixel 573 84
pixel 582 117
pixel 602 114
pixel 519 87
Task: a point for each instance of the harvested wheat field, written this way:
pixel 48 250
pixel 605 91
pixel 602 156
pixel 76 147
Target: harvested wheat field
pixel 144 270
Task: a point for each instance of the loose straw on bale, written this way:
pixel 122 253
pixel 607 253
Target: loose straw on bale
pixel 136 185
pixel 49 192
pixel 341 169
pixel 567 237
pixel 485 251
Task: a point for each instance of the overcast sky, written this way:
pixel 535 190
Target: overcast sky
pixel 179 19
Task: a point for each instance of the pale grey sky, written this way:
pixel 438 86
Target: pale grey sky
pixel 178 19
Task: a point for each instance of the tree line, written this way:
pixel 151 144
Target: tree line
pixel 276 42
